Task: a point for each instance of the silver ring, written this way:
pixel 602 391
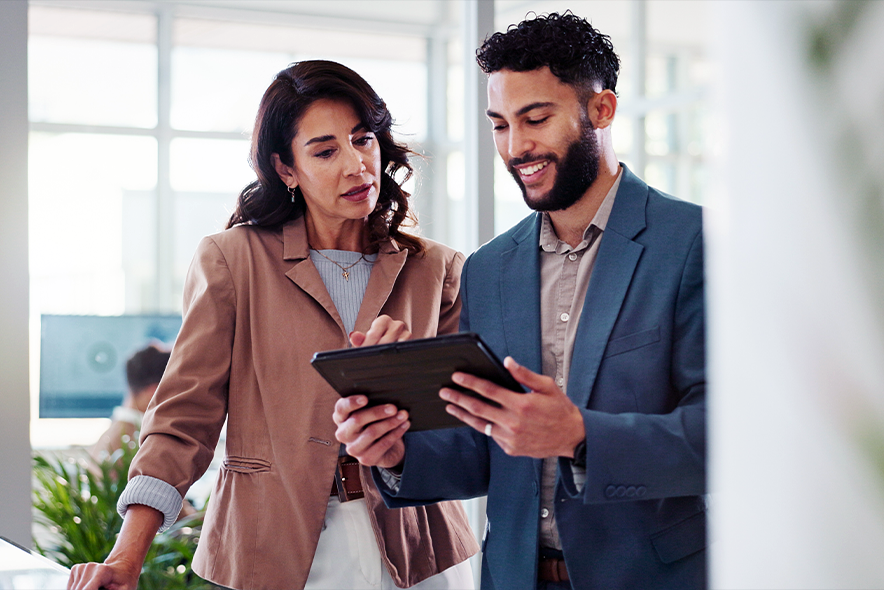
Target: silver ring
pixel 488 429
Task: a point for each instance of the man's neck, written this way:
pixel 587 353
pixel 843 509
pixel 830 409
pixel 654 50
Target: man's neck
pixel 570 223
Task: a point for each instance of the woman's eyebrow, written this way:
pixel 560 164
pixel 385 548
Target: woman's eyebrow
pixel 322 138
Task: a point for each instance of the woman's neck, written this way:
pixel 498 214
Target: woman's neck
pixel 350 234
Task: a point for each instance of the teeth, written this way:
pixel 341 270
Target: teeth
pixel 533 169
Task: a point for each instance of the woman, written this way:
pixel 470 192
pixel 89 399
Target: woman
pixel 313 259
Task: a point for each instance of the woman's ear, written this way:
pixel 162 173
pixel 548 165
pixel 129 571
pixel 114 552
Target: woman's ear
pixel 286 173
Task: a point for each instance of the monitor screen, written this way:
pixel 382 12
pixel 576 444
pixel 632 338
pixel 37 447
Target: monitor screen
pixel 83 359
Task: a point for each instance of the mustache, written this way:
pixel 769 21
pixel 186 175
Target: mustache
pixel 513 162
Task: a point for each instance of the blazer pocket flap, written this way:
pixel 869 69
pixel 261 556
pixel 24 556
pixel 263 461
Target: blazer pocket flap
pixel 681 539
pixel 632 341
pixel 246 464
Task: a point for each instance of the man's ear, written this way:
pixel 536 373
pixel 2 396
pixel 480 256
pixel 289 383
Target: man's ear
pixel 286 173
pixel 601 108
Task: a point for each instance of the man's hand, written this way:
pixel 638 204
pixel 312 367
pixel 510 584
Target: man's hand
pixel 373 435
pixel 541 423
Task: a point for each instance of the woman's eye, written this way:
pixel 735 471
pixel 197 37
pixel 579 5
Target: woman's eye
pixel 364 140
pixel 325 154
pixel 498 127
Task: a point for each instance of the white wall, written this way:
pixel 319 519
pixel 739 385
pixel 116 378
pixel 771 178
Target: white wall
pixel 15 446
pixel 796 275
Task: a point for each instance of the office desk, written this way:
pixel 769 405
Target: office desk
pixel 21 569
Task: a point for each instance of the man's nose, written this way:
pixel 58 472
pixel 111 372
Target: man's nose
pixel 520 143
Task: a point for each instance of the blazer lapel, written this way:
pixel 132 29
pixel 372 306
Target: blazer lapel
pixel 304 273
pixel 614 267
pixel 380 284
pixel 520 295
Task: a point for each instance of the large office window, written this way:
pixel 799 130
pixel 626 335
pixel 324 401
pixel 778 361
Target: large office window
pixel 140 122
pixel 141 114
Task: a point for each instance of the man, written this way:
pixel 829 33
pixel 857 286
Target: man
pixel 595 477
pixel 144 370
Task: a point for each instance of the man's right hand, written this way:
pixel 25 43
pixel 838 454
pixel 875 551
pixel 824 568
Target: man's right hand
pixel 372 435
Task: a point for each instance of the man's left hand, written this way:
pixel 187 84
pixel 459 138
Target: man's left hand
pixel 541 423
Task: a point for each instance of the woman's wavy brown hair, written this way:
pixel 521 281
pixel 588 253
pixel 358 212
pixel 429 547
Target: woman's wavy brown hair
pixel 266 202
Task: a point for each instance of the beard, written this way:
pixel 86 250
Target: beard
pixel 575 172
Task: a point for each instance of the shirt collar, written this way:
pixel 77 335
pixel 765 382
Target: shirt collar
pixel 550 242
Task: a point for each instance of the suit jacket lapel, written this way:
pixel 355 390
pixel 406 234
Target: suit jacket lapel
pixel 615 264
pixel 520 293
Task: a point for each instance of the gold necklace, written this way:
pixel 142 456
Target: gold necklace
pixel 345 270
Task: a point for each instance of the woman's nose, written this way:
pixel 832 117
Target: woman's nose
pixel 354 162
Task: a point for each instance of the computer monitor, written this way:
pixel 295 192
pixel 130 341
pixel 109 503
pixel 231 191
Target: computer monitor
pixel 83 359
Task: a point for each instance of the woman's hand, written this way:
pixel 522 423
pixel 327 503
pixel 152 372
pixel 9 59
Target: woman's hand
pixel 112 576
pixel 122 567
pixel 372 435
pixel 383 330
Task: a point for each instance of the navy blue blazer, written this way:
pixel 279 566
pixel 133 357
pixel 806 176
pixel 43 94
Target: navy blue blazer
pixel 637 375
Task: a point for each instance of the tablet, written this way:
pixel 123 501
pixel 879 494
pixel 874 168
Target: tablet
pixel 22 568
pixel 410 374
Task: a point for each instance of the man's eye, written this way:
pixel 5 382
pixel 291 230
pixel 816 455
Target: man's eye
pixel 498 127
pixel 537 121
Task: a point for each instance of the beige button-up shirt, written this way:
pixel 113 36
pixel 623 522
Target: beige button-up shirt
pixel 564 278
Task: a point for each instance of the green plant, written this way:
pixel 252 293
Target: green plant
pixel 76 501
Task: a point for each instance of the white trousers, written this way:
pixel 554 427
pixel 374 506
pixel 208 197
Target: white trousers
pixel 347 557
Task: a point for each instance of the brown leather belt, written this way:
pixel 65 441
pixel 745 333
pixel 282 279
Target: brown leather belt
pixel 347 484
pixel 550 569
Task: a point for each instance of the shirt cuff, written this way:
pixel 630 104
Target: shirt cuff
pixel 153 492
pixel 390 479
pixel 579 475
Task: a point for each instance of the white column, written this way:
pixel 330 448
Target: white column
pixel 165 260
pixel 796 291
pixel 479 149
pixel 433 173
pixel 15 416
pixel 639 17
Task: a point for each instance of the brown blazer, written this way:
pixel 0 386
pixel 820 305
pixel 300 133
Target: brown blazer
pixel 255 311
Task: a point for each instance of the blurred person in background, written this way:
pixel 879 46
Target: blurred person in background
pixel 144 370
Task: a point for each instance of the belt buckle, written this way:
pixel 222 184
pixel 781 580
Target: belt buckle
pixel 341 480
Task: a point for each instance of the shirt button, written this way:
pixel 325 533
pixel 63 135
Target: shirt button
pixel 544 513
pixel 572 256
pixel 565 317
pixel 560 381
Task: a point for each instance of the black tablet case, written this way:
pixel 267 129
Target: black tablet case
pixel 410 374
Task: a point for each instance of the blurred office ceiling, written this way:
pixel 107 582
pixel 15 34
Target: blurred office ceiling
pixel 678 22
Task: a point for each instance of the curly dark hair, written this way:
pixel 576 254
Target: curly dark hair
pixel 576 52
pixel 266 201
